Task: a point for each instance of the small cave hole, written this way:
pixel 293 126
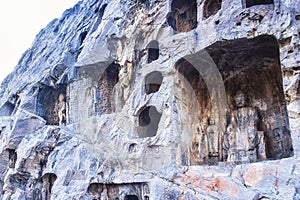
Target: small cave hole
pixel 131 197
pixel 284 41
pixel 102 10
pixel 183 15
pixel 297 17
pixel 95 188
pixel 211 7
pixel 48 182
pixel 153 82
pixel 250 3
pixel 12 155
pixel 132 148
pixel 82 37
pixel 153 51
pixel 148 120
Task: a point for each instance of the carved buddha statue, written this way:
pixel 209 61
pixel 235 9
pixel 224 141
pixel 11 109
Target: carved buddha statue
pixel 241 138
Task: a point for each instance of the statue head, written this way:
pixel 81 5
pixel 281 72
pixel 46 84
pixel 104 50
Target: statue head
pixel 61 97
pixel 239 99
pixel 211 121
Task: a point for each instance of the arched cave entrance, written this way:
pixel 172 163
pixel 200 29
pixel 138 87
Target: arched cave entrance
pixel 148 121
pixel 257 125
pixel 48 182
pixel 183 16
pixel 153 51
pixel 153 82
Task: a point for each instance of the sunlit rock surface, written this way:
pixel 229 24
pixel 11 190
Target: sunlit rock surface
pixel 156 100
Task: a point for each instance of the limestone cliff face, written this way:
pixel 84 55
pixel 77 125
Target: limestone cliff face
pixel 145 99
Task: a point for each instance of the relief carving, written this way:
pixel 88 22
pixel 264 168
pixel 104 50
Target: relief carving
pixel 213 139
pixel 60 110
pixel 241 139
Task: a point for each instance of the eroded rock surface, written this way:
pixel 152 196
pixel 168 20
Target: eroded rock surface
pixel 145 99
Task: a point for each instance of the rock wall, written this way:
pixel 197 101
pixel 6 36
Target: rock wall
pixel 149 99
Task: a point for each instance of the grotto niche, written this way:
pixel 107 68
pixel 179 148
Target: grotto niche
pixel 256 126
pixel 48 182
pixel 52 104
pixel 129 191
pixel 211 7
pixel 153 51
pixel 250 3
pixel 153 82
pixel 183 15
pixel 148 121
pixel 105 88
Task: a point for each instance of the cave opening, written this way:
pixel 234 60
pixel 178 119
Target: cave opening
pixel 250 3
pixel 153 51
pixel 132 148
pixel 12 155
pixel 253 84
pixel 183 15
pixel 106 85
pixel 131 197
pixel 7 109
pixel 153 82
pixel 52 104
pixel 211 7
pixel 115 191
pixel 145 2
pixel 82 37
pixel 148 121
pixel 95 189
pixel 48 181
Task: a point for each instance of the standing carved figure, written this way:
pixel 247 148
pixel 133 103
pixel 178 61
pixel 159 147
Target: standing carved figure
pixel 60 109
pixel 241 139
pixel 195 151
pixel 213 139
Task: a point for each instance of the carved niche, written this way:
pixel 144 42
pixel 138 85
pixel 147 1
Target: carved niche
pixel 250 121
pixel 52 104
pixel 129 191
pixel 183 15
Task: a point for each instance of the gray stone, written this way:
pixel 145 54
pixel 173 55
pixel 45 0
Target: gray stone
pixel 140 81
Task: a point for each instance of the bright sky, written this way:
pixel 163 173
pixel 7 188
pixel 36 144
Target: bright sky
pixel 20 22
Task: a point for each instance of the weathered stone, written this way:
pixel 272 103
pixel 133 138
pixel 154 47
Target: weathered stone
pixel 143 100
